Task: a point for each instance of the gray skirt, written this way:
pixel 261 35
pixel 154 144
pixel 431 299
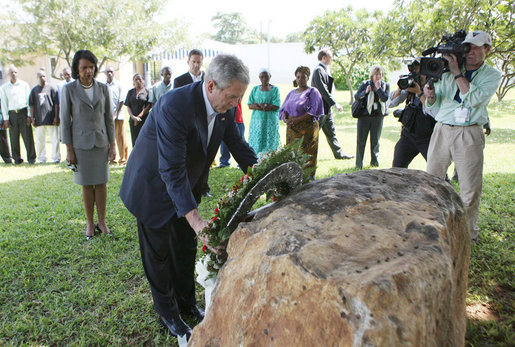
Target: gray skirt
pixel 92 166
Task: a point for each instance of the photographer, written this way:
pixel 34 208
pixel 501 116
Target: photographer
pixel 417 126
pixel 462 97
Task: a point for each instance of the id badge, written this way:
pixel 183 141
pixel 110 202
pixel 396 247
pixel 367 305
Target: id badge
pixel 461 115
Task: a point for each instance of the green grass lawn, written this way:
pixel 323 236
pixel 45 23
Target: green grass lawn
pixel 58 289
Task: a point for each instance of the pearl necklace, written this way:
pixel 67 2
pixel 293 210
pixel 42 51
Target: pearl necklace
pixel 87 87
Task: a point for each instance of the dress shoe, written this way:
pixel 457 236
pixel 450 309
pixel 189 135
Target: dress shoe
pixel 195 311
pixel 207 195
pixel 176 326
pixel 345 156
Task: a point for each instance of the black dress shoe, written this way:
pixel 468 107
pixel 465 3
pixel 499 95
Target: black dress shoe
pixel 195 311
pixel 176 326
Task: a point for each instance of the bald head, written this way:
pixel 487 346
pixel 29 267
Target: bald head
pixel 13 73
pixel 41 78
pixel 67 74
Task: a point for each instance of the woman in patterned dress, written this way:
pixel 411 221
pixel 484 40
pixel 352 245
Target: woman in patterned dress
pixel 301 111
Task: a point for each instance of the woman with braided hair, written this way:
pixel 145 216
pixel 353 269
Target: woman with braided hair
pixel 301 111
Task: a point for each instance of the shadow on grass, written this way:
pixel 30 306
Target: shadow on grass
pixel 492 264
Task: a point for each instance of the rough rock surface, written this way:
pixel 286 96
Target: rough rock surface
pixel 373 258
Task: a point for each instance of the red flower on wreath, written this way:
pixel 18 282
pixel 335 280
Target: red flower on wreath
pixel 214 219
pixel 204 248
pixel 216 210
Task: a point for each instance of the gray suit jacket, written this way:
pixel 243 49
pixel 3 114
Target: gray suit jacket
pixel 86 124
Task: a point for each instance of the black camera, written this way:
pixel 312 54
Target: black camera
pixel 407 81
pixel 433 67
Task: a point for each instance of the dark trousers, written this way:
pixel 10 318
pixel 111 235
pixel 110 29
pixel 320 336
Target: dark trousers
pixel 135 129
pixel 326 123
pixel 374 126
pixel 408 147
pixel 18 122
pixel 4 147
pixel 168 256
pixel 225 155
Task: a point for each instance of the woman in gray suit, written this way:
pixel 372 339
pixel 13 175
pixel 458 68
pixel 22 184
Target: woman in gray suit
pixel 87 130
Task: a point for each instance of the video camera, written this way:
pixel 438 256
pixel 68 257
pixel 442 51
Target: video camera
pixel 433 67
pixel 406 81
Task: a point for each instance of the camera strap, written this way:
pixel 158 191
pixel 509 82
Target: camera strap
pixel 469 77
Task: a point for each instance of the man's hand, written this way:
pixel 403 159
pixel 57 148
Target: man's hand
pixel 415 89
pixel 195 221
pixel 198 224
pixel 30 121
pixel 487 129
pixel 430 94
pixel 6 124
pixel 453 64
pixel 339 107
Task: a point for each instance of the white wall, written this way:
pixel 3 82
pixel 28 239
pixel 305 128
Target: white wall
pixel 280 58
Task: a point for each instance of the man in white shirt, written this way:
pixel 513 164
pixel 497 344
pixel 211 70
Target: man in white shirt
pixel 67 78
pixel 14 97
pixel 117 98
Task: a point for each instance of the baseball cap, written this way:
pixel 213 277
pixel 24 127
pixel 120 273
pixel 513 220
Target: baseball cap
pixel 478 38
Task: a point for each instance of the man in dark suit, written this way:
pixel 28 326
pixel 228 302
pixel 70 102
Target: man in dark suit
pixel 195 59
pixel 324 82
pixel 164 174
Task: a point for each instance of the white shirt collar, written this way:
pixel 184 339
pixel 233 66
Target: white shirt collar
pixel 196 78
pixel 209 109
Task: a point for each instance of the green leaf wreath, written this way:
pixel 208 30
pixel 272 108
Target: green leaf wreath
pixel 217 231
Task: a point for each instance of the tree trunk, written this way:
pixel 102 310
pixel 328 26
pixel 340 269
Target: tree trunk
pixel 348 80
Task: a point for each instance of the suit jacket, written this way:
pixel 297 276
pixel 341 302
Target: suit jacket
pixel 85 123
pixel 322 81
pixel 163 174
pixel 184 80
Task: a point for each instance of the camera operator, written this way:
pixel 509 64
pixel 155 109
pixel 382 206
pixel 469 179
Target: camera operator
pixel 417 126
pixel 462 97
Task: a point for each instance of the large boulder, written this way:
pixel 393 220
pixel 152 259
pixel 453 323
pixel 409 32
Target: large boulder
pixel 373 258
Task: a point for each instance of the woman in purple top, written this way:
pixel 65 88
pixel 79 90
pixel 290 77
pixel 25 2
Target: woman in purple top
pixel 301 110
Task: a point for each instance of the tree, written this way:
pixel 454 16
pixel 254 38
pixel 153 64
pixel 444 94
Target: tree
pixel 109 28
pixel 232 28
pixel 295 37
pixel 347 34
pixel 497 18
